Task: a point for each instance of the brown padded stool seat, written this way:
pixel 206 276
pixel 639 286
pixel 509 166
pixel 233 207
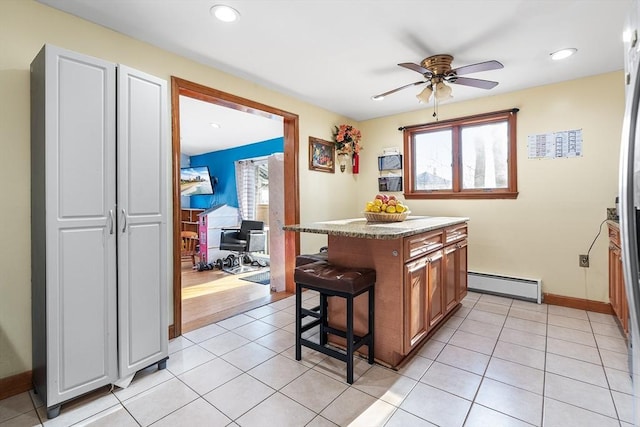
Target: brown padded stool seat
pixel 309 258
pixel 334 277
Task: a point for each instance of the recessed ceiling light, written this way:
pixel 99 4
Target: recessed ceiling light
pixel 563 53
pixel 225 13
pixel 215 125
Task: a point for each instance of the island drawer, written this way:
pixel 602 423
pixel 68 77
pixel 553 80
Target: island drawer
pixel 421 244
pixel 455 233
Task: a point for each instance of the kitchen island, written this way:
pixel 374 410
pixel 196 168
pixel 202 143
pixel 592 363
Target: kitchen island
pixel 421 269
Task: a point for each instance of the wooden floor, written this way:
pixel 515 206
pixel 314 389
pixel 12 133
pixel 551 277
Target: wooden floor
pixel 212 295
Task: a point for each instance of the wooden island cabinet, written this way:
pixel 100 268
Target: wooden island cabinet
pixel 617 293
pixel 421 270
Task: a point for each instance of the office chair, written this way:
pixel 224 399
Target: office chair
pixel 250 237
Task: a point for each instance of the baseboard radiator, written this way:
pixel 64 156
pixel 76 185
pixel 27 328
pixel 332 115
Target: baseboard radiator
pixel 512 287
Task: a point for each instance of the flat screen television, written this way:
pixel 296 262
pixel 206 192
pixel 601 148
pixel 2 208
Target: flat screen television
pixel 195 181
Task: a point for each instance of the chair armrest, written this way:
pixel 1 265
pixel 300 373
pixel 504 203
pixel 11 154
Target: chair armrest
pixel 231 234
pixel 256 240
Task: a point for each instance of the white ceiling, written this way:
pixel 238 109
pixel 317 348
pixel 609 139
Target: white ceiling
pixel 237 128
pixel 336 54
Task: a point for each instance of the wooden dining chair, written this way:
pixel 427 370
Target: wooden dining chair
pixel 189 245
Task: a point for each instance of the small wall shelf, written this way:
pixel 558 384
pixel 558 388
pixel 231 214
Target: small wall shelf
pixel 390 162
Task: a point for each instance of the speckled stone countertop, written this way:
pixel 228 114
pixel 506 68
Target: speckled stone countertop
pixel 360 228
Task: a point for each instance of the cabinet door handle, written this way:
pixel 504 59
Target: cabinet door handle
pixel 124 220
pixel 111 221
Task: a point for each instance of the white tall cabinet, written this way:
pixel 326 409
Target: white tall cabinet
pixel 99 181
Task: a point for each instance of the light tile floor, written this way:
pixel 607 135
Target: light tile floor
pixel 497 362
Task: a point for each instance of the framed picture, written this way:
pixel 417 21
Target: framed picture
pixel 390 162
pixel 322 155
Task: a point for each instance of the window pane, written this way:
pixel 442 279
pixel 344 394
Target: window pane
pixel 262 183
pixel 433 166
pixel 485 150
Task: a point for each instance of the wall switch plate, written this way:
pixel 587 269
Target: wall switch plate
pixel 583 260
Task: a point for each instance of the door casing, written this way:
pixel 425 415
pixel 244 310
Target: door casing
pixel 291 177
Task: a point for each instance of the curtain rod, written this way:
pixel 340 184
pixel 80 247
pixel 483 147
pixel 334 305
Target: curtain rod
pixel 254 159
pixel 512 110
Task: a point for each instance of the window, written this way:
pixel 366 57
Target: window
pixel 262 182
pixel 471 157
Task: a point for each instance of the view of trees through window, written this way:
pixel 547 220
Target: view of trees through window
pixel 484 156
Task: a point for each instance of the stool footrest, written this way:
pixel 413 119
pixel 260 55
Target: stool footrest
pixel 358 341
pixel 339 332
pixel 310 325
pixel 324 349
pixel 311 313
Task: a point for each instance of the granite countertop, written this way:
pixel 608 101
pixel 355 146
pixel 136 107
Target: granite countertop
pixel 360 228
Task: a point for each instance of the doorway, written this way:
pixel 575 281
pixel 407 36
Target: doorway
pixel 214 287
pixel 291 184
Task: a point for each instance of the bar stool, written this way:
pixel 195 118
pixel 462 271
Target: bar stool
pixel 331 280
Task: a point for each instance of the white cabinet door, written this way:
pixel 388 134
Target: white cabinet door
pixel 142 220
pixel 79 163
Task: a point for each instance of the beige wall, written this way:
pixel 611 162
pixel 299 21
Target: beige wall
pixel 561 202
pixel 24 27
pixel 538 235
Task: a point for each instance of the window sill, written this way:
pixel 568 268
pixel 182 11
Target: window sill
pixel 464 195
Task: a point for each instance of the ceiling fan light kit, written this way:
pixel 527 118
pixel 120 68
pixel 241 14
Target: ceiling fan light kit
pixel 425 95
pixel 442 92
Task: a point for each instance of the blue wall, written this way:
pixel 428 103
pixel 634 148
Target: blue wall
pixel 221 165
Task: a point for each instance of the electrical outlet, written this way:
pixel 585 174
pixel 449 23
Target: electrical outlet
pixel 583 260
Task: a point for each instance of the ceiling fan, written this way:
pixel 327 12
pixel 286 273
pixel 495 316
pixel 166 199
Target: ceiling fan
pixel 437 71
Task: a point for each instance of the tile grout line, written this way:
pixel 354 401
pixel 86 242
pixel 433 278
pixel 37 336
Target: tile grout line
pixel 544 376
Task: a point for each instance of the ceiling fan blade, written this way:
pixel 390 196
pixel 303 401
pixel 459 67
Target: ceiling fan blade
pixel 476 68
pixel 382 95
pixel 466 81
pixel 417 68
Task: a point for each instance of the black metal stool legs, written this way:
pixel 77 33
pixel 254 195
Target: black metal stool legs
pixel 371 325
pixel 334 281
pixel 298 321
pixel 350 340
pixel 320 313
pixel 324 306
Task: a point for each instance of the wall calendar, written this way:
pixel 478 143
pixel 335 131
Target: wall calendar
pixel 554 145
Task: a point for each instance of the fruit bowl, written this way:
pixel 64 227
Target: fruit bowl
pixel 386 217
